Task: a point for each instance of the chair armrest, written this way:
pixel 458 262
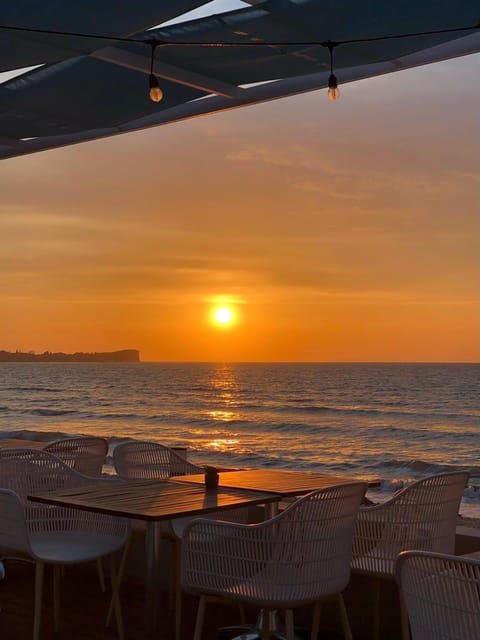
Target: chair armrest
pixel 217 554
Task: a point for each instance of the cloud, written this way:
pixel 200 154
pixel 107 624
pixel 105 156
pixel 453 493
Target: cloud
pixel 469 176
pixel 292 156
pixel 316 187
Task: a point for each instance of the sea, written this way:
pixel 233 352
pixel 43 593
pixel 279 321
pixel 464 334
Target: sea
pixel 391 422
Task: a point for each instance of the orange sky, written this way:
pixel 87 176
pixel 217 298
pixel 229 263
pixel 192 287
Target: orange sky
pixel 344 231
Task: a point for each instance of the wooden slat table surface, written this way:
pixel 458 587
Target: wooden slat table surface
pixel 280 481
pixel 152 500
pixel 20 443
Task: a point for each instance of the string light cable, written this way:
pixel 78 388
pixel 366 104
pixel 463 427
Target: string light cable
pixel 155 92
pixel 333 90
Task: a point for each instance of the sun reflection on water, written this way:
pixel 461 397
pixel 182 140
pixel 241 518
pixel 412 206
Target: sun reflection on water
pixel 224 444
pixel 223 416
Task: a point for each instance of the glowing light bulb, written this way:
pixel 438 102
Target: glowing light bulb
pixel 333 90
pixel 156 94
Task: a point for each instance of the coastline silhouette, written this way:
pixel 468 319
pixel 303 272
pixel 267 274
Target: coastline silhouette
pixel 124 355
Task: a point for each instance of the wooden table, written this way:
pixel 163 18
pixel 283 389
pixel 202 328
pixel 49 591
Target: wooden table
pixel 285 483
pixel 152 501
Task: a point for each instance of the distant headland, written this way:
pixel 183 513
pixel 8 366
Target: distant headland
pixel 125 355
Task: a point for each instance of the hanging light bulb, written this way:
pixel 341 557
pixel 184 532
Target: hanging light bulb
pixel 155 93
pixel 333 90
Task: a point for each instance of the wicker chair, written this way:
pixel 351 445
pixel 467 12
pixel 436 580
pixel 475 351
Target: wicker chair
pixel 296 558
pixel 47 534
pixel 84 454
pixel 442 595
pixel 150 460
pixel 422 516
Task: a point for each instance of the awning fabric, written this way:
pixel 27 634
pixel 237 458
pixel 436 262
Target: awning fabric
pixel 88 88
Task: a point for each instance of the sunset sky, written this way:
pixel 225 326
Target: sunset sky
pixel 344 231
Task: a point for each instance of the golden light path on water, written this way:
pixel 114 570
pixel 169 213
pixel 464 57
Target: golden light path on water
pixel 224 444
pixel 224 416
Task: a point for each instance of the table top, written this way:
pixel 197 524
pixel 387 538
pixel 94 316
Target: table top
pixel 20 443
pixel 280 481
pixel 152 499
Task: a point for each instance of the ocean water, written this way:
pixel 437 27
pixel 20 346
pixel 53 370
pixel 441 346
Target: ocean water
pixel 394 422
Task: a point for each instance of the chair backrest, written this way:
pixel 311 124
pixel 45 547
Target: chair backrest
pixel 295 558
pixel 313 540
pixel 85 454
pixel 32 471
pixel 422 516
pixel 150 460
pixel 442 595
pixel 27 471
pixel 430 509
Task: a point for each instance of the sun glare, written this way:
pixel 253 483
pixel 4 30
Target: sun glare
pixel 223 316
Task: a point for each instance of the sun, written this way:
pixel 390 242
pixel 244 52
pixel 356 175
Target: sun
pixel 223 316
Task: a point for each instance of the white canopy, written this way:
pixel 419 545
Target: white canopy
pixel 90 87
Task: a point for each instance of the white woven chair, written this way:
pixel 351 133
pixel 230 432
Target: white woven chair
pixel 296 558
pixel 48 534
pixel 85 454
pixel 150 460
pixel 422 516
pixel 442 595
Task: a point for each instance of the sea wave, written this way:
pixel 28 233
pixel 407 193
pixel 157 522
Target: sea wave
pixel 393 474
pixel 39 389
pixel 373 411
pixel 42 436
pixel 423 467
pixel 49 412
pixel 389 486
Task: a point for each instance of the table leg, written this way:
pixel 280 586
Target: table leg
pixel 152 586
pixel 272 509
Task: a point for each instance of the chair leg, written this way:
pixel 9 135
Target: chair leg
pixel 265 624
pixel 39 573
pixel 172 575
pixel 347 632
pixel 121 571
pixel 101 575
pixel 289 628
pixel 243 618
pixel 200 617
pixel 376 610
pixel 178 592
pixel 57 570
pixel 317 610
pixel 405 626
pixel 115 597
